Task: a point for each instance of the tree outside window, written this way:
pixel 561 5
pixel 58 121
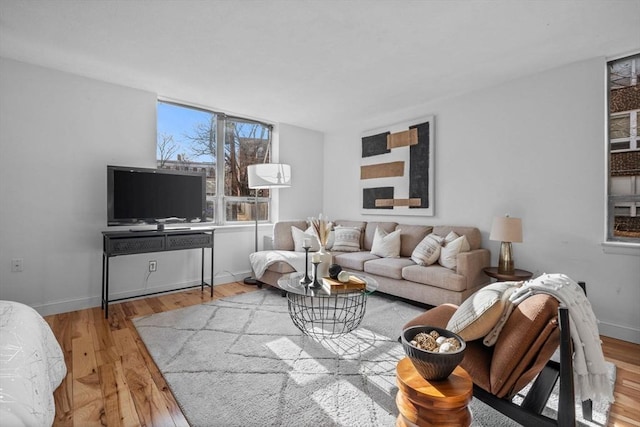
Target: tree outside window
pixel 188 140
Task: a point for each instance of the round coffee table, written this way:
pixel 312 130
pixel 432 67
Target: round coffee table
pixel 432 403
pixel 320 314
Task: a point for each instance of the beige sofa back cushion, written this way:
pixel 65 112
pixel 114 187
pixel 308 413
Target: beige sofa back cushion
pixel 473 234
pixel 410 236
pixel 282 238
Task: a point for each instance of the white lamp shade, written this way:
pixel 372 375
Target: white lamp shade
pixel 506 229
pixel 269 175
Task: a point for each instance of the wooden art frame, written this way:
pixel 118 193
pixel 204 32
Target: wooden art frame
pixel 397 175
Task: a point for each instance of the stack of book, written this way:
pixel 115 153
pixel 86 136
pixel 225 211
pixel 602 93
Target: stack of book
pixel 334 286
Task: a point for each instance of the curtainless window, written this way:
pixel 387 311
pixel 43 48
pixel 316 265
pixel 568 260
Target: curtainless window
pixel 623 204
pixel 188 139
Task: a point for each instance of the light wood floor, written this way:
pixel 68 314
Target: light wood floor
pixel 112 380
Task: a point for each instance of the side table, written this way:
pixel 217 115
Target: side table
pixel 432 403
pixel 517 275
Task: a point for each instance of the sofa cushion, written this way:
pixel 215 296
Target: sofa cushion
pixel 347 239
pixel 387 267
pixel 449 252
pixel 428 250
pixel 352 260
pixel 435 275
pixel 479 313
pixel 300 236
pixel 370 232
pixel 386 245
pixel 410 236
pixel 282 238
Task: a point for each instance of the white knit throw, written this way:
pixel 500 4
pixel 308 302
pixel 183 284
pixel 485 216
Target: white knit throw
pixel 590 371
pixel 260 261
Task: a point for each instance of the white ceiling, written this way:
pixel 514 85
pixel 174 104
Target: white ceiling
pixel 315 64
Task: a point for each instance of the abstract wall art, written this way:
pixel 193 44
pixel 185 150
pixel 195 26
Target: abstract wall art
pixel 397 169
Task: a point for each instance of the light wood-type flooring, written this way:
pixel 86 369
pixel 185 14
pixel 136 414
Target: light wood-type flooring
pixel 112 380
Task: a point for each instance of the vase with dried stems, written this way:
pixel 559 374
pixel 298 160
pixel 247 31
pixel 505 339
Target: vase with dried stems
pixel 322 228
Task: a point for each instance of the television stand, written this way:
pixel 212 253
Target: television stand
pixel 118 243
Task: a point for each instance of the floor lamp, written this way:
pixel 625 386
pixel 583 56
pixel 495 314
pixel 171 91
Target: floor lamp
pixel 265 176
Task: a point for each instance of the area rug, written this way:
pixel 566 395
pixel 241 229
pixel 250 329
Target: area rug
pixel 240 361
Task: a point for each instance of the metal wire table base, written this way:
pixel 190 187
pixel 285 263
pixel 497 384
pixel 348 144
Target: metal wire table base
pixel 327 316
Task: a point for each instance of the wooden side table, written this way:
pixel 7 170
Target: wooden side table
pixel 432 403
pixel 517 275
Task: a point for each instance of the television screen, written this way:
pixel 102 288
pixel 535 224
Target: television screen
pixel 148 196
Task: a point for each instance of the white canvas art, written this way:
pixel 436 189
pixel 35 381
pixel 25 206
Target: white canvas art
pixel 397 169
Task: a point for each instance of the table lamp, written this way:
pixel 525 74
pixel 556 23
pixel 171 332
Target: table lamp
pixel 265 176
pixel 506 230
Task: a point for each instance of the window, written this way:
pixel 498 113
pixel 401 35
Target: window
pixel 623 207
pixel 188 140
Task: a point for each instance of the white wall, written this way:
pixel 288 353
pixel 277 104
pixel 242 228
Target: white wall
pixel 304 150
pixel 58 132
pixel 533 148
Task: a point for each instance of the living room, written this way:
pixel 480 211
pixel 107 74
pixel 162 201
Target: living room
pixel 518 100
pixel 530 145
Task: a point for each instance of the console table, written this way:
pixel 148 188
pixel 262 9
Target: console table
pixel 117 243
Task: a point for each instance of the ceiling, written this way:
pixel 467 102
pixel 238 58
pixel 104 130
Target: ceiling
pixel 314 64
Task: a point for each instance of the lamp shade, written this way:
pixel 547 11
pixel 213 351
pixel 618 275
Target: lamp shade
pixel 506 229
pixel 269 175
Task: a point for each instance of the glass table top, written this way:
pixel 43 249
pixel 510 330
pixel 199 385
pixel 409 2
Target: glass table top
pixel 291 283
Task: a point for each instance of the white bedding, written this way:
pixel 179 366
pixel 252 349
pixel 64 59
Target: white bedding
pixel 31 367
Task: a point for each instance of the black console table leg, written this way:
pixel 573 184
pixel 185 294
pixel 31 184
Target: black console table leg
pixel 106 288
pixel 102 296
pixel 213 245
pixel 202 270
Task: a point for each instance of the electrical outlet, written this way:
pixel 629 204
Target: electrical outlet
pixel 153 266
pixel 16 265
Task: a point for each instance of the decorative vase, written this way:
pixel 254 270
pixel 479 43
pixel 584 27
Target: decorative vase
pixel 325 259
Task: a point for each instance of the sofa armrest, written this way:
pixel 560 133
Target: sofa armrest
pixel 470 265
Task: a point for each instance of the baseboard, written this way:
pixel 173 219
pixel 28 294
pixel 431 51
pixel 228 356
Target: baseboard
pixel 57 307
pixel 621 332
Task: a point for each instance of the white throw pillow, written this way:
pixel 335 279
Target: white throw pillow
pixel 298 240
pixel 449 252
pixel 479 313
pixel 386 245
pixel 428 250
pixel 347 239
pixel 450 237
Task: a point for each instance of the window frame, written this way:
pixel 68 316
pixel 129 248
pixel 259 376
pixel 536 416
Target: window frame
pixel 631 201
pixel 220 199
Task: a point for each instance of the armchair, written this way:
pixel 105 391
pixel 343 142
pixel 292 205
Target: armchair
pixel 523 351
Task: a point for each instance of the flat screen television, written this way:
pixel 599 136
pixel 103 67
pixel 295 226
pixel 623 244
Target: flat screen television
pixel 154 196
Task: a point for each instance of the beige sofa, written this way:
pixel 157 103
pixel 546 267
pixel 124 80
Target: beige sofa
pixel 401 277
